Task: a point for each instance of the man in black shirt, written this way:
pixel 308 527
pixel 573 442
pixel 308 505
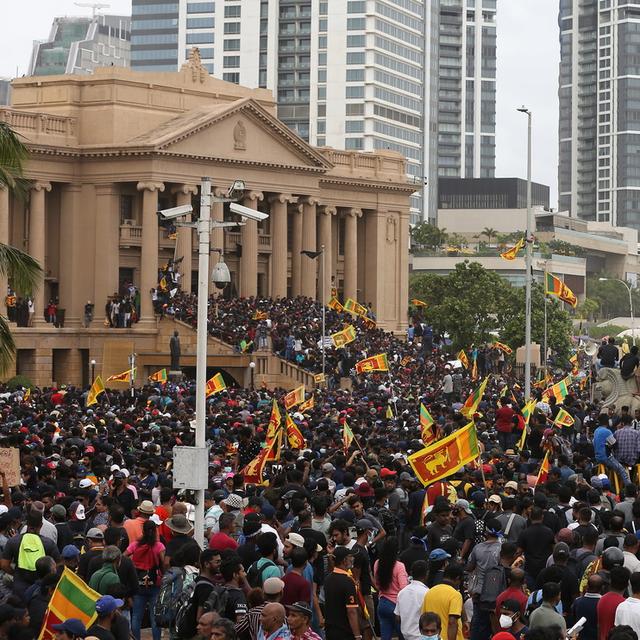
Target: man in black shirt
pixel 536 541
pixel 341 605
pixel 107 609
pixel 629 363
pixel 441 529
pixel 417 549
pixel 608 353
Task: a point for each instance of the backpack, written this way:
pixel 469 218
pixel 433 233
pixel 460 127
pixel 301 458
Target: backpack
pixel 255 573
pixel 575 562
pixel 387 519
pixel 185 622
pixel 495 582
pixel 479 527
pixel 31 549
pixel 217 600
pixel 176 589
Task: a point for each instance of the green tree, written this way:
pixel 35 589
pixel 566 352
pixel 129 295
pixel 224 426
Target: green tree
pixel 588 308
pixel 427 235
pixel 611 296
pixel 23 271
pixel 489 232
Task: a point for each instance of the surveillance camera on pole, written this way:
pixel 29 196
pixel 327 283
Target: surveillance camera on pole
pixel 246 212
pixel 220 275
pixel 175 212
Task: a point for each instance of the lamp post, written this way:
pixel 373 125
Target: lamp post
pixel 313 255
pixel 626 284
pixel 93 370
pixel 252 367
pixel 528 266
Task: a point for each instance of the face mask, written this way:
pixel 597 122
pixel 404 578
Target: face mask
pixel 435 637
pixel 505 621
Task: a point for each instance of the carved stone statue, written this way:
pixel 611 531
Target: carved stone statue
pixel 240 136
pixel 174 347
pixel 613 390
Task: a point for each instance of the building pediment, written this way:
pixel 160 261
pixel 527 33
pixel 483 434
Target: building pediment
pixel 238 132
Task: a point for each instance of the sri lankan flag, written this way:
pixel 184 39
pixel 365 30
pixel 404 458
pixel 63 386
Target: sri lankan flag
pixel 125 376
pixel 389 413
pixel 405 361
pixel 341 338
pixel 260 315
pixel 374 363
pixel 503 347
pixel 163 284
pixel 426 426
pixel 512 253
pixel 307 405
pixel 558 390
pixel 334 304
pixel 294 435
pixel 96 389
pixel 445 456
pixel 347 436
pixel 215 385
pixel 474 368
pixel 418 303
pixel 275 420
pixel 543 381
pixel 294 397
pixel 527 410
pixel 274 445
pixel 354 307
pixel 563 419
pixel 254 472
pixel 72 598
pixel 368 322
pixel 159 376
pixel 574 363
pixel 555 287
pixel 544 470
pixel 319 378
pixel 471 405
pixel 464 360
pixel 27 395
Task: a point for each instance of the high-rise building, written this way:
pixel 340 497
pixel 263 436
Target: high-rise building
pixel 350 74
pixel 80 44
pixel 599 128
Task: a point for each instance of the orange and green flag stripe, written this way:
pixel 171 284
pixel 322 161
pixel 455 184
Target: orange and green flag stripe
pixel 472 402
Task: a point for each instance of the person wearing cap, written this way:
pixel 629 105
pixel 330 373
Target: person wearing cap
pixel 341 604
pixel 122 494
pixel 361 569
pixel 22 552
pixel 103 579
pixel 133 527
pixel 465 529
pixel 299 620
pixel 182 531
pixel 93 548
pixel 106 610
pixel 410 599
pixel 249 625
pixel 296 587
pixel 560 572
pixel 70 629
pixel 70 557
pixel 510 620
pixel 494 505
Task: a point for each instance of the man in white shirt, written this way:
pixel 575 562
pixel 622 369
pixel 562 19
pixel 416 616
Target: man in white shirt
pixel 410 599
pixel 628 612
pixel 213 512
pixel 630 548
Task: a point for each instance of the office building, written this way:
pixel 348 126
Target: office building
pixel 489 193
pixel 599 128
pixel 80 45
pixel 355 74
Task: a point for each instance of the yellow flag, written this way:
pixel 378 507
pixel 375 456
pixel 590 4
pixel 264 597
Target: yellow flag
pixel 389 414
pixel 512 253
pixel 96 389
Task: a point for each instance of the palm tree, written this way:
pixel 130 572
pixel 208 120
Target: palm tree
pixel 20 267
pixel 489 232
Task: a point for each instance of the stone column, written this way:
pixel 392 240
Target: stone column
pixel 351 253
pixel 278 219
pixel 107 251
pixel 73 254
pixel 184 247
pixel 149 253
pixel 326 238
pixel 249 240
pixel 36 242
pixel 309 243
pixel 296 248
pixel 4 239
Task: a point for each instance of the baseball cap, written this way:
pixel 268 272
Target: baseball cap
pixel 512 484
pixel 272 586
pixel 85 483
pixel 295 539
pixel 327 467
pixel 233 501
pixel 58 510
pixel 364 524
pixel 464 505
pixel 95 534
pixel 439 554
pixel 561 551
pixel 301 607
pixel 108 604
pixel 387 473
pixel 365 490
pixel 70 551
pixel 340 553
pixel 72 626
pixel 496 499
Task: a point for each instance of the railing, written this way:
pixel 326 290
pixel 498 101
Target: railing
pixel 380 164
pixel 234 238
pixel 131 236
pixel 39 123
pixel 296 373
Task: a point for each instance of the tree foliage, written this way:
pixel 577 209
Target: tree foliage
pixel 471 303
pixel 428 236
pixel 612 297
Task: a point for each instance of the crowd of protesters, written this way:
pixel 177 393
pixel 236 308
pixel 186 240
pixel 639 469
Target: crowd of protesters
pixel 339 544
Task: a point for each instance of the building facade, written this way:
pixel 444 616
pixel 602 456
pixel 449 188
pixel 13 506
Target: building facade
pixel 490 193
pixel 355 75
pixel 80 45
pixel 108 151
pixel 599 127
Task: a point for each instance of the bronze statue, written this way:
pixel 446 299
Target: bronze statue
pixel 174 347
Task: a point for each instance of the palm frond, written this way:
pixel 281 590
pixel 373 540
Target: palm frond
pixel 13 155
pixel 24 271
pixel 7 346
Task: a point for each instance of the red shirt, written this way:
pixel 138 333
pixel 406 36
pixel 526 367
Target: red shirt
pixel 511 594
pixel 221 541
pixel 504 419
pixel 296 589
pixel 607 606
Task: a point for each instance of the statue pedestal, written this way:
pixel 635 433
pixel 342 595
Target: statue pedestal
pixel 175 376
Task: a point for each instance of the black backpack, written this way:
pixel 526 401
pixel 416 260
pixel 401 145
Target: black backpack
pixel 185 623
pixel 217 600
pixel 387 519
pixel 495 582
pixel 176 591
pixel 255 573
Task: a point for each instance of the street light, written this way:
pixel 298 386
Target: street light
pixel 93 370
pixel 252 367
pixel 528 266
pixel 626 284
pixel 313 255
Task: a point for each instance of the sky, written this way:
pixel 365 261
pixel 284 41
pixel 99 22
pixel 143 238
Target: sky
pixel 528 55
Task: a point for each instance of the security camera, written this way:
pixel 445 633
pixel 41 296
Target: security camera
pixel 175 212
pixel 236 189
pixel 246 212
pixel 220 275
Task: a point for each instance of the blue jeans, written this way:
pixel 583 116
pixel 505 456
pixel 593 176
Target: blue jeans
pixel 146 597
pixel 387 618
pixel 614 464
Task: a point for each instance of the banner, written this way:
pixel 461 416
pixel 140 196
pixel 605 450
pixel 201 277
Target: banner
pixel 354 307
pixel 426 426
pixel 464 360
pixel 555 287
pixel 275 420
pixel 545 467
pixel 374 363
pixel 564 419
pixel 344 337
pixel 253 472
pixel 307 405
pixel 559 390
pixel 335 305
pixel 347 437
pixel 446 456
pixel 294 397
pixel 418 303
pixel 503 347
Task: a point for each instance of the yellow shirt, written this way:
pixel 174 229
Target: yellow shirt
pixel 445 601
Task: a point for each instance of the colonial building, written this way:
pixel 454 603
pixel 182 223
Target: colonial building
pixel 110 149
